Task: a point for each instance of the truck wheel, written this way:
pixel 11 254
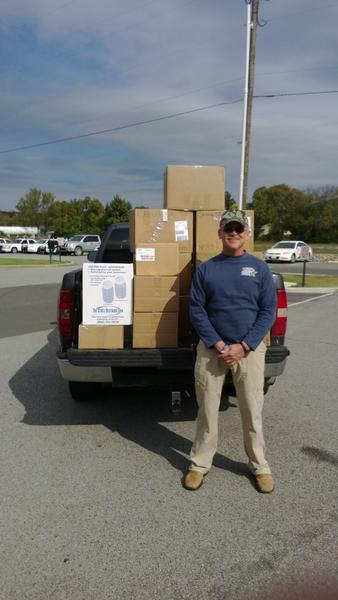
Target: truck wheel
pixel 293 258
pixel 82 390
pixel 268 382
pixel 14 250
pixel 78 251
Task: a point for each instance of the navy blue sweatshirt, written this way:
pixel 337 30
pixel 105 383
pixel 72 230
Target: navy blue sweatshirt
pixel 233 298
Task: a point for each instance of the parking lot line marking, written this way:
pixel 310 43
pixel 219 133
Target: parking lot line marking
pixel 318 297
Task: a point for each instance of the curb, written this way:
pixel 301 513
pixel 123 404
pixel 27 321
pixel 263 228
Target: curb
pixel 309 290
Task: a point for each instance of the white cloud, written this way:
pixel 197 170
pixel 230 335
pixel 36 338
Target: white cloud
pixel 76 67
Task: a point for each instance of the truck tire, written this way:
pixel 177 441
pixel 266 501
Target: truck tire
pixel 82 390
pixel 78 251
pixel 14 250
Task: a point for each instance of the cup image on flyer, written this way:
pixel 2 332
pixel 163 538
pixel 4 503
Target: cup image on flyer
pixel 120 287
pixel 107 293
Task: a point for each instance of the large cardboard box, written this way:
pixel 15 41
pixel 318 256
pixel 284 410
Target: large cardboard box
pixel 107 293
pixel 155 330
pixel 156 294
pixel 157 225
pixel 186 270
pixel 101 336
pixel 208 243
pixel 156 259
pixel 185 328
pixel 194 187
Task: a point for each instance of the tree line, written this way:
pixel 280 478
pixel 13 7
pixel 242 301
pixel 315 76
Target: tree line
pixel 66 218
pixel 311 215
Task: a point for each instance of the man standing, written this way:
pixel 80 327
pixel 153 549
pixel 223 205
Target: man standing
pixel 232 307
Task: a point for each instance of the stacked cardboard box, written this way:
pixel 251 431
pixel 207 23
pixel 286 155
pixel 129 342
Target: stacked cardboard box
pixel 156 225
pixel 100 336
pixel 194 187
pixel 194 202
pixel 156 237
pixel 168 243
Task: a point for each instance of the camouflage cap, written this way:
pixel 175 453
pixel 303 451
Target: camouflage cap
pixel 234 215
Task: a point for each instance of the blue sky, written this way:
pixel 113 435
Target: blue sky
pixel 71 68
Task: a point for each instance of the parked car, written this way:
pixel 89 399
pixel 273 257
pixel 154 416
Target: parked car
pixel 78 244
pixel 289 251
pixel 18 245
pixel 4 241
pixel 36 247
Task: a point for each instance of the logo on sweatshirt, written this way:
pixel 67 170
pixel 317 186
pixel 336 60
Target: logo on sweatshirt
pixel 249 272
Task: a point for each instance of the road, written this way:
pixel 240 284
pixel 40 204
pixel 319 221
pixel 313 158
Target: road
pixel 92 502
pixel 311 268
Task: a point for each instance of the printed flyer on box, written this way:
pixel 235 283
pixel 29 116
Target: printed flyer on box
pixel 107 294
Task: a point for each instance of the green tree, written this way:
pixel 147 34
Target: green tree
pixel 229 202
pixel 93 211
pixel 282 209
pixel 47 200
pixel 7 217
pixel 28 208
pixel 117 211
pixel 58 219
pixel 32 209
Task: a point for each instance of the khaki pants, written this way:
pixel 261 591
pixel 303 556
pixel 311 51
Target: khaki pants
pixel 248 378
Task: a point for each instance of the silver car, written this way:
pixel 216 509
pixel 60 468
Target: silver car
pixel 78 244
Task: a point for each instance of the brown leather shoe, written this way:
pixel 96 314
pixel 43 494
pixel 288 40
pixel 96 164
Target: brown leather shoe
pixel 264 483
pixel 193 480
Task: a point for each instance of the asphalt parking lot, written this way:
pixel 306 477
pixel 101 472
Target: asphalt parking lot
pixel 92 503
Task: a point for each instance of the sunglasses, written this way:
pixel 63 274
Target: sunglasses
pixel 230 227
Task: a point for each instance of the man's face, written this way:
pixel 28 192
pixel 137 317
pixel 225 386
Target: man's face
pixel 233 236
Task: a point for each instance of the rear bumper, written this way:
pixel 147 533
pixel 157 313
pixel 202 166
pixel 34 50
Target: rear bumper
pixel 275 360
pixel 100 365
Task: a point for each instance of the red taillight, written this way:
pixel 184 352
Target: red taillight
pixel 66 313
pixel 279 326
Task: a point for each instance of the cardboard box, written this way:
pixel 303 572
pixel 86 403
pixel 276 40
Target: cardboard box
pixel 186 270
pixel 207 241
pixel 194 187
pixel 101 336
pixel 155 330
pixel 185 328
pixel 156 294
pixel 266 339
pixel 203 257
pixel 156 225
pixel 107 293
pixel 156 259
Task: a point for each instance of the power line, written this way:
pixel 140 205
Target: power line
pixel 296 94
pixel 157 119
pixel 119 128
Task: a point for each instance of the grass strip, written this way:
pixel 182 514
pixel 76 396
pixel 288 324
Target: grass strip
pixel 329 281
pixel 24 262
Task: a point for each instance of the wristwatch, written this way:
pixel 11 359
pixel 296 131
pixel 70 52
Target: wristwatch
pixel 246 350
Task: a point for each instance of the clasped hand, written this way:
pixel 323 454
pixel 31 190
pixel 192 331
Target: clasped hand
pixel 232 355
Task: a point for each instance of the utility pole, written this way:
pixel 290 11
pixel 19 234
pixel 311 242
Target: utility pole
pixel 252 20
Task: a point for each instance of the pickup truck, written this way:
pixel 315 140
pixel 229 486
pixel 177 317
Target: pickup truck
pixel 87 370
